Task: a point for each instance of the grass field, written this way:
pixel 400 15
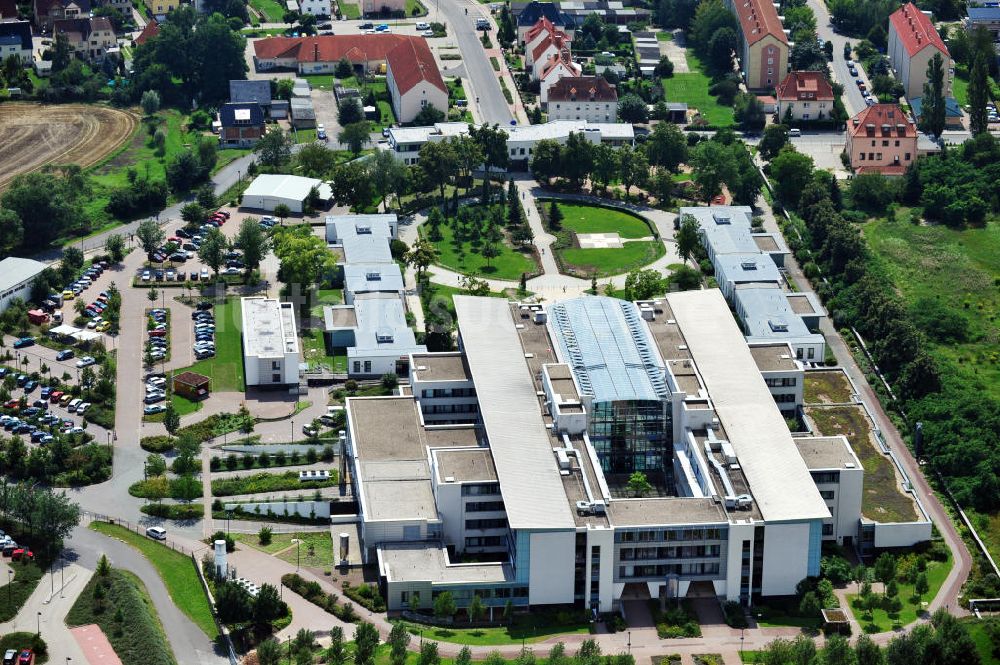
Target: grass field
pixel 284 548
pixel 464 257
pixel 226 368
pixel 692 87
pixel 527 627
pixel 882 501
pixel 959 270
pixel 138 637
pixel 351 10
pixel 177 571
pixel 826 388
pixel 960 89
pixel 605 262
pixel 273 11
pixel 594 219
pixel 880 622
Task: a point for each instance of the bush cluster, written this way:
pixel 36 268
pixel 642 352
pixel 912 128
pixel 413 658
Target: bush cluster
pixel 365 595
pixel 313 592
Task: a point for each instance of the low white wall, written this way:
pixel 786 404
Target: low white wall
pixel 300 508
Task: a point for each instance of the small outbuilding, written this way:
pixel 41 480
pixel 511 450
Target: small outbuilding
pixel 270 190
pixel 191 385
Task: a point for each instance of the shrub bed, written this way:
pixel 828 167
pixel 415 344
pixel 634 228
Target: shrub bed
pixel 313 592
pixel 156 444
pixel 675 622
pixel 184 488
pixel 174 511
pixel 268 482
pixel 366 596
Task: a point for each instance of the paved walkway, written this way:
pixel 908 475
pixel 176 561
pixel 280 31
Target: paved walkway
pixel 46 611
pixel 95 645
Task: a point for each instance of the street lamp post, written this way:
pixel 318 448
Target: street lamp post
pixel 630 641
pixel 38 623
pixel 298 553
pixel 10 584
pixel 741 642
pixel 293 429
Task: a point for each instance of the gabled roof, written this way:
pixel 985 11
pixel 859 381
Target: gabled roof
pixel 559 40
pixel 564 60
pixel 250 91
pixel 582 88
pixel 44 7
pixel 915 30
pixel 19 30
pixel 230 113
pixel 543 25
pixel 14 270
pixel 151 30
pixel 805 85
pixel 534 11
pixel 412 62
pixel 83 27
pixel 359 49
pixel 979 13
pixel 758 19
pixel 886 120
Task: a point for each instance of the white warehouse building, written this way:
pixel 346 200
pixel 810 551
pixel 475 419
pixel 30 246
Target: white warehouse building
pixel 17 278
pixel 268 191
pixel 270 343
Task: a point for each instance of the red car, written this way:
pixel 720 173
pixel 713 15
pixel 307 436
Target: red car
pixel 54 397
pixel 223 213
pixel 22 552
pixel 11 404
pixel 27 657
pixel 157 333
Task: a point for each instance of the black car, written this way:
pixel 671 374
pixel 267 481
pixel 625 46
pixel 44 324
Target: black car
pixel 65 354
pixel 181 233
pixel 366 26
pixel 202 306
pixel 179 256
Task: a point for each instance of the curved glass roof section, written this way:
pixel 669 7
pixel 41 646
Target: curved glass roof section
pixel 609 348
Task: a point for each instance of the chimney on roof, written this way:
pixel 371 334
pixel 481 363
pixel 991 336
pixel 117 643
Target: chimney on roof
pixel 315 51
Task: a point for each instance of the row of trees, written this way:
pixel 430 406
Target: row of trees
pixel 48 516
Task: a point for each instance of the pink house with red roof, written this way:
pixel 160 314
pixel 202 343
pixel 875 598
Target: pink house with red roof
pixel 913 42
pixel 764 49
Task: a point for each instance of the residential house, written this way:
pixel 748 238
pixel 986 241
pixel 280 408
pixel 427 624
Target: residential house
pixel 15 39
pixel 913 42
pixel 90 37
pixel 242 124
pixel 318 8
pixel 160 8
pixel 804 96
pixel 47 11
pixel 558 67
pixel 881 139
pixel 383 7
pixel 319 54
pixel 987 17
pixel 953 116
pixel 589 98
pixel 413 80
pixel 763 50
pixel 534 11
pixel 541 33
pixel 258 92
pixel 549 46
pixel 151 30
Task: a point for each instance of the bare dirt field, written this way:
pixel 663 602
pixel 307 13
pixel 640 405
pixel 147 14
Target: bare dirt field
pixel 33 135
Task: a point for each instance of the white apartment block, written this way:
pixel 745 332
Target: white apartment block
pixel 270 343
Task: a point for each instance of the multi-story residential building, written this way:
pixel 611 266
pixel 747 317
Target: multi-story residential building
pixel 538 34
pixel 47 11
pixel 242 124
pixel 270 343
pixel 881 139
pixel 90 37
pixel 533 12
pixel 763 50
pixel 545 48
pixel 557 67
pixel 987 17
pixel 589 98
pixel 161 8
pixel 572 398
pixel 318 8
pixel 414 81
pixel 913 42
pixel 383 7
pixel 15 39
pixel 804 96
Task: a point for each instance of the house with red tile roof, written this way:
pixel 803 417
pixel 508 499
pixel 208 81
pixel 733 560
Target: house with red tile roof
pixel 913 42
pixel 805 95
pixel 545 50
pixel 764 44
pixel 558 67
pixel 90 37
pixel 413 80
pixel 151 30
pixel 881 139
pixel 542 32
pixel 319 54
pixel 589 98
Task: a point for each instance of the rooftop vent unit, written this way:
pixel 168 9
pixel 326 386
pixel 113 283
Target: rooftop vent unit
pixel 373 276
pixel 749 264
pixel 778 325
pixel 647 313
pixel 722 218
pixel 591 508
pixel 384 336
pixel 540 316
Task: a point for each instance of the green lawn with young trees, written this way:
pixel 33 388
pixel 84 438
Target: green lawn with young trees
pixel 692 87
pixel 582 218
pixel 465 256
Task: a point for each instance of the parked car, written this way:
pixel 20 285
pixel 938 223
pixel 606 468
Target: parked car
pixel 423 25
pixel 153 409
pixel 27 657
pixel 86 361
pixel 157 533
pixel 22 553
pixel 23 342
pixel 10 657
pixel 71 407
pixel 82 408
pixel 65 354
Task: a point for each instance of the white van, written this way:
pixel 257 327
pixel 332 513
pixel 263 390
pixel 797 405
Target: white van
pixel 157 533
pixel 75 403
pixel 795 131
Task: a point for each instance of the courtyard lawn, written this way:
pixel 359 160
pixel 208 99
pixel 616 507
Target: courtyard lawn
pixel 526 627
pixel 882 500
pixel 881 622
pixel 960 90
pixel 662 36
pixel 415 8
pixel 984 645
pixel 692 87
pixel 594 219
pixel 305 135
pixel 271 9
pixel 464 257
pixel 606 262
pixel 183 405
pixel 283 546
pixel 351 10
pixel 177 571
pixel 826 387
pixel 226 367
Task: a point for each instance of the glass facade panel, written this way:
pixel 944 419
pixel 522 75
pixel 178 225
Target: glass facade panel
pixel 631 435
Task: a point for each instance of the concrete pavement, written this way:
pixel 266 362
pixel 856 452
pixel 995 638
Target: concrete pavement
pixel 853 101
pixel 46 612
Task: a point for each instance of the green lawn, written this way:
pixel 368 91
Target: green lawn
pixel 826 387
pixel 692 87
pixel 958 269
pixel 595 219
pixel 605 262
pixel 463 257
pixel 977 630
pixel 412 5
pixel 527 628
pixel 351 10
pixel 177 571
pixel 226 368
pixel 284 548
pixel 882 501
pixel 960 90
pixel 139 636
pixel 14 595
pixel 880 622
pixel 783 612
pixel 662 36
pixel 184 406
pixel 272 10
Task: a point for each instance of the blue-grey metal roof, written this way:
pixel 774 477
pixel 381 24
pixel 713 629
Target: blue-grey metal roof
pixel 251 91
pixel 366 277
pixel 366 249
pixel 608 346
pixel 951 107
pixel 983 13
pixel 726 228
pixel 767 315
pixel 379 225
pixel 382 328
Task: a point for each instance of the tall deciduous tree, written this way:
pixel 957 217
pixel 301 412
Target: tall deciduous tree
pixel 253 242
pixel 355 136
pixel 365 643
pixel 274 148
pixel 932 109
pixel 213 250
pixel 492 141
pixel 438 163
pixel 150 235
pixel 978 96
pixel 667 146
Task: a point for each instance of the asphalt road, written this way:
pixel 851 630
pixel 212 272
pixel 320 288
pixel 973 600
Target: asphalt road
pixel 189 643
pixel 853 100
pixel 483 80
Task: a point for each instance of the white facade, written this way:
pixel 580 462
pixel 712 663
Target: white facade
pixel 270 343
pixel 269 190
pixel 551 74
pixel 410 103
pixel 597 111
pixel 17 277
pixel 317 8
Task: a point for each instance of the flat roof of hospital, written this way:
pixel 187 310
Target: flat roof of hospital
pixel 740 267
pixel 768 316
pixel 439 367
pixel 268 327
pixel 376 225
pixel 385 277
pixel 827 452
pixel 665 510
pixel 727 228
pixel 467 465
pixel 777 357
pixel 608 346
pixel 381 326
pixel 526 467
pixel 366 249
pixel 429 562
pixel 779 481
